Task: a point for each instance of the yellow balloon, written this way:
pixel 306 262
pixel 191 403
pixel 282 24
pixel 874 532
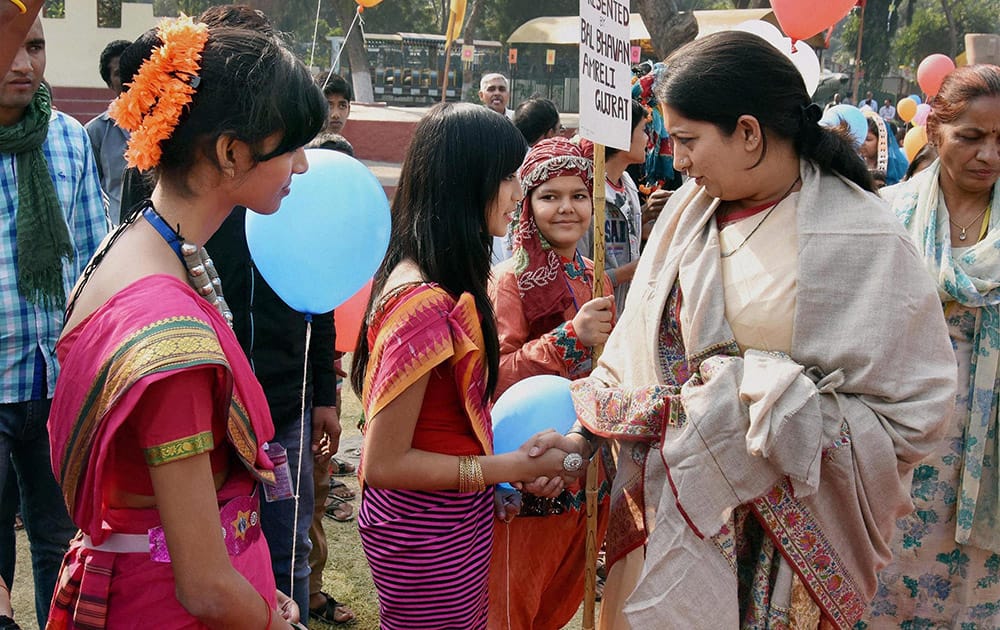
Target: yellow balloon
pixel 906 109
pixel 367 3
pixel 914 140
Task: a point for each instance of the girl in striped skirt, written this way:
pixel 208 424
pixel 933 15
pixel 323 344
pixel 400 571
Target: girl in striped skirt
pixel 427 366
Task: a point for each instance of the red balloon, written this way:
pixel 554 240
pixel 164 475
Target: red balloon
pixel 347 318
pixel 801 20
pixel 932 71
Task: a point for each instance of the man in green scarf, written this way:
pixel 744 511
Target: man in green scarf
pixel 52 219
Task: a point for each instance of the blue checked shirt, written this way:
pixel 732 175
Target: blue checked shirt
pixel 26 329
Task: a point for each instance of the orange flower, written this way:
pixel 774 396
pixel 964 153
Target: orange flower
pixel 160 90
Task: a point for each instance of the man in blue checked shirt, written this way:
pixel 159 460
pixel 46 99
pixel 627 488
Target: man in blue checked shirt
pixel 52 218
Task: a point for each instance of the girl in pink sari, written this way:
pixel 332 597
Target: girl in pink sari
pixel 158 423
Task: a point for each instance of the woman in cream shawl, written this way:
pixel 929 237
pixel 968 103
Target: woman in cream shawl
pixel 780 366
pixel 946 554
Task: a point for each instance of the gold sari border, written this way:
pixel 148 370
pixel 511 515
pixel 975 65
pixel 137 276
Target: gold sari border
pixel 178 449
pixel 169 344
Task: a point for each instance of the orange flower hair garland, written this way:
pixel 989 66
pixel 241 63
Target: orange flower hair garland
pixel 160 90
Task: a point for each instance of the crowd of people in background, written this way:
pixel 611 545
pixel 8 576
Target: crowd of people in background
pixel 795 414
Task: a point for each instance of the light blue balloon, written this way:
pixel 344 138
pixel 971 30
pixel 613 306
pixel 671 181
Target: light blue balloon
pixel 535 404
pixel 916 98
pixel 329 236
pixel 852 116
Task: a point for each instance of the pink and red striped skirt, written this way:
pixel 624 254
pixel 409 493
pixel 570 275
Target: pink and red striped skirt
pixel 429 553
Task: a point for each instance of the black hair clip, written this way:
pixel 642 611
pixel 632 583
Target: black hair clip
pixel 811 113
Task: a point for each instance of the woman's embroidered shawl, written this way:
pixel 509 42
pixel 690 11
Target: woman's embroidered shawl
pixel 868 330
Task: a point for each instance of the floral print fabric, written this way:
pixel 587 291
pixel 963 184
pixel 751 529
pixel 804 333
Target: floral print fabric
pixel 968 276
pixel 935 582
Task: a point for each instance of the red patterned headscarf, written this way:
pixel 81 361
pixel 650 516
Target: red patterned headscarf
pixel 539 270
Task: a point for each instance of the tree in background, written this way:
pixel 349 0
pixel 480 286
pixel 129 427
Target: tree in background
pixel 472 18
pixel 502 17
pixel 671 24
pixel 895 31
pixel 903 32
pixel 881 22
pixel 668 27
pixel 54 9
pixel 356 52
pixel 394 16
pixel 938 26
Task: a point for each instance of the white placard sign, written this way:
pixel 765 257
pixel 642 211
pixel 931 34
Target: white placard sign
pixel 605 73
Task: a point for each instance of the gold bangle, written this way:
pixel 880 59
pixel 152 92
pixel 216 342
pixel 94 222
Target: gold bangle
pixel 477 471
pixel 462 482
pixel 20 5
pixel 470 474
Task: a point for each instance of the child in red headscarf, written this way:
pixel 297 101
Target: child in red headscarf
pixel 547 320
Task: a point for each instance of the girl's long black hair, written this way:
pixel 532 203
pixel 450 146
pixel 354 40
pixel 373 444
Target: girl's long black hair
pixel 459 155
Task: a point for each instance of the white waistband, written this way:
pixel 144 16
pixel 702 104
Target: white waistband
pixel 120 543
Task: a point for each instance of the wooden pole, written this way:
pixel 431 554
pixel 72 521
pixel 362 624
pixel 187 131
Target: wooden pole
pixel 447 62
pixel 590 577
pixel 857 56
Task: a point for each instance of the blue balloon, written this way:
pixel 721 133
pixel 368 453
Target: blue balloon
pixel 916 98
pixel 529 406
pixel 329 236
pixel 854 118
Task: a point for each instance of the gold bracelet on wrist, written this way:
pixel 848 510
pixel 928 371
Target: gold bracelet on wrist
pixel 463 481
pixel 20 5
pixel 477 471
pixel 470 474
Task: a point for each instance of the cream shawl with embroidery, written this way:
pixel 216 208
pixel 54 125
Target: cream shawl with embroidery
pixel 879 399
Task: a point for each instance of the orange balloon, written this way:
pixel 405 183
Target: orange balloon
pixel 914 140
pixel 367 3
pixel 802 20
pixel 906 109
pixel 932 71
pixel 347 318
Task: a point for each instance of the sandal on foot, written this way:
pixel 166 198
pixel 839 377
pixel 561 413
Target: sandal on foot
pixel 332 612
pixel 339 511
pixel 342 468
pixel 339 490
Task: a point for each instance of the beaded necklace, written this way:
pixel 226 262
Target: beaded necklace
pixel 202 274
pixel 201 270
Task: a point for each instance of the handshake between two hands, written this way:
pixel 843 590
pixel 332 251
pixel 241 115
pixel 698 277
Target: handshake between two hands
pixel 557 459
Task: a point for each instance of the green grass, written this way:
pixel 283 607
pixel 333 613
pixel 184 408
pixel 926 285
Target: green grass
pixel 346 577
